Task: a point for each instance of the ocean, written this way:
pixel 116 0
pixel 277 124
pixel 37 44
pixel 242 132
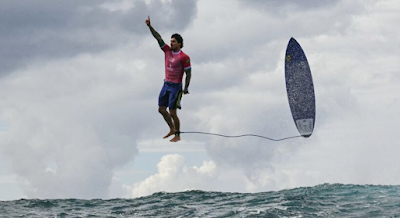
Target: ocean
pixel 326 200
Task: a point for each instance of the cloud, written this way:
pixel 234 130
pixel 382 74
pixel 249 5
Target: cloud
pixel 47 29
pixel 300 5
pixel 173 176
pixel 67 127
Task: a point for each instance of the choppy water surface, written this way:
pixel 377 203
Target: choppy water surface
pixel 328 200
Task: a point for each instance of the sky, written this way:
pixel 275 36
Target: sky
pixel 79 86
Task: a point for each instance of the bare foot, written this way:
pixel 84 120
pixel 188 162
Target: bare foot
pixel 175 139
pixel 169 134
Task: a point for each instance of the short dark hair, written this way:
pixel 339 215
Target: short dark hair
pixel 178 38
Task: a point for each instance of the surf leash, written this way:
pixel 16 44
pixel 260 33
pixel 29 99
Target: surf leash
pixel 244 135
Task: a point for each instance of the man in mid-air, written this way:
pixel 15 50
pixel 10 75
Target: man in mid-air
pixel 176 64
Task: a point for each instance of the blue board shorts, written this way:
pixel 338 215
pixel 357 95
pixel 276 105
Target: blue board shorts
pixel 170 95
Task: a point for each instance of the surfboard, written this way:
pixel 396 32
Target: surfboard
pixel 300 88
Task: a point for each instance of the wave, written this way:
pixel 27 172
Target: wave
pixel 326 200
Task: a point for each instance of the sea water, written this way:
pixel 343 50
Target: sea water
pixel 327 200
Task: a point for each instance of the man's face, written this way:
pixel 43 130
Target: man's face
pixel 174 44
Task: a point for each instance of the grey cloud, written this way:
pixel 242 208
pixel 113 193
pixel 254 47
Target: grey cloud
pixel 301 4
pixel 280 21
pixel 238 42
pixel 72 122
pixel 51 29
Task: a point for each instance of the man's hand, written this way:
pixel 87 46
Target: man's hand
pixel 185 91
pixel 148 21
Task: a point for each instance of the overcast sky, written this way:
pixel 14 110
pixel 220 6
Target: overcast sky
pixel 79 87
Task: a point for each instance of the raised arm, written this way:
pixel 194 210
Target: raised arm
pixel 154 32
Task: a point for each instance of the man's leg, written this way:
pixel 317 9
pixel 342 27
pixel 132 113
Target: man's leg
pixel 167 117
pixel 176 125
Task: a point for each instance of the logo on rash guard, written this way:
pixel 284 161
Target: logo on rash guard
pixel 171 61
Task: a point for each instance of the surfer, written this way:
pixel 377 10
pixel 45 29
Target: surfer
pixel 176 64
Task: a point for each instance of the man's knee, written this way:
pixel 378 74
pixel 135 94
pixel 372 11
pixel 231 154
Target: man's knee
pixel 162 110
